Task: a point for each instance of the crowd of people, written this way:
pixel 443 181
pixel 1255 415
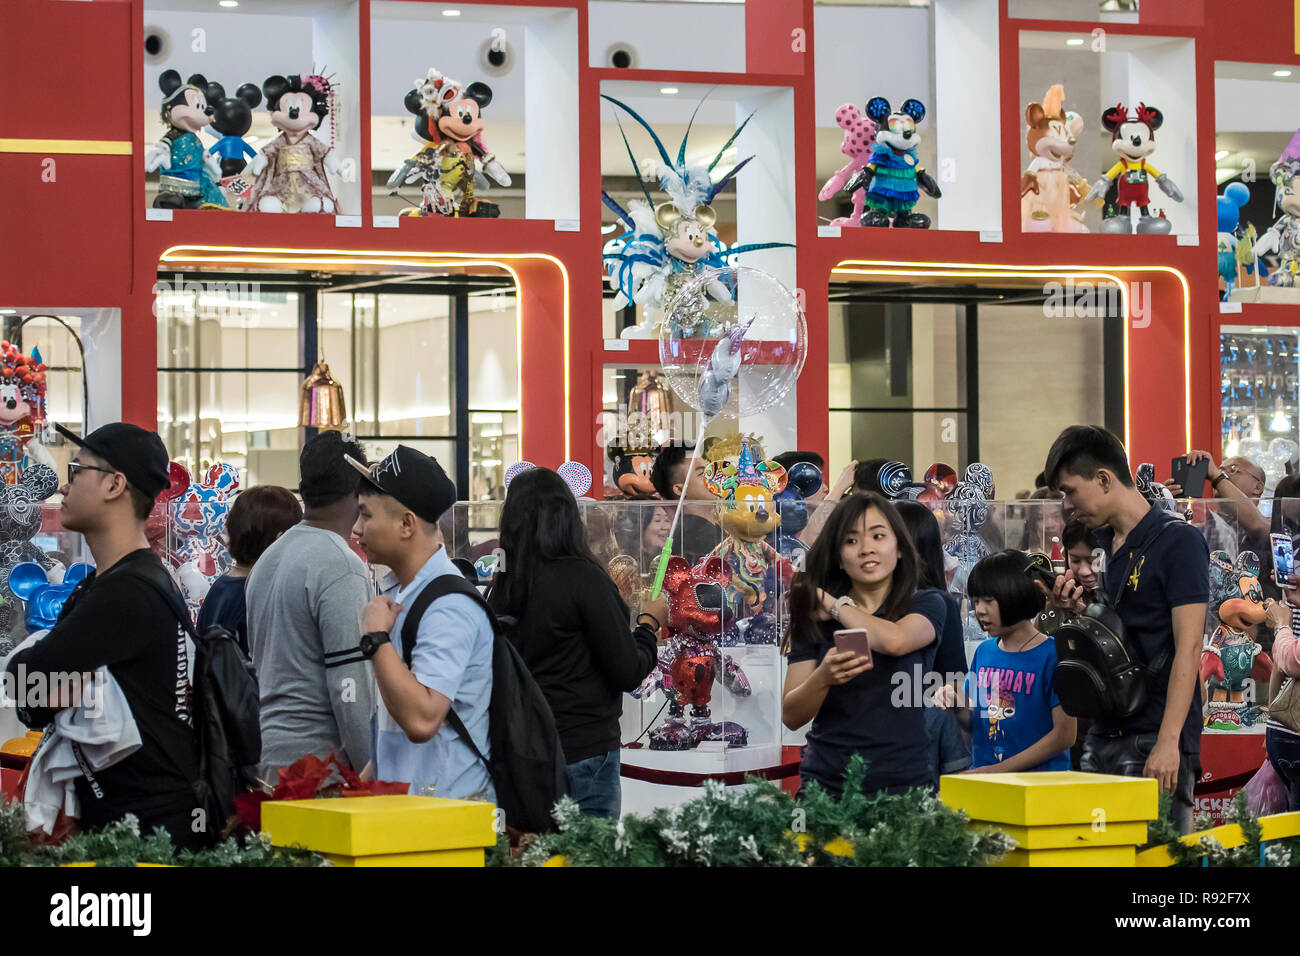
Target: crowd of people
pixel 396 681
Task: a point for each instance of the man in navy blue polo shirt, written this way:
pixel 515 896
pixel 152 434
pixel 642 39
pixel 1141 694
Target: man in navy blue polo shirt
pixel 1156 573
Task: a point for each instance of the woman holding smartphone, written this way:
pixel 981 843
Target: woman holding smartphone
pixel 861 575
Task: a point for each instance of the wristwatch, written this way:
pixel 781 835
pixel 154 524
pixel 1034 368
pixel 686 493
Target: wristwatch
pixel 1221 477
pixel 371 641
pixel 839 606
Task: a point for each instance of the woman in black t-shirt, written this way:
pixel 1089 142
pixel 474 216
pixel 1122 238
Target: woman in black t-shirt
pixel 573 631
pixel 862 573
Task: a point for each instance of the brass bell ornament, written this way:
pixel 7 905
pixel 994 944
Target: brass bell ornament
pixel 320 402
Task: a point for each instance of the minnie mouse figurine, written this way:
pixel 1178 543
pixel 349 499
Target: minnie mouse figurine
pixel 859 138
pixel 449 119
pixel 1133 138
pixel 187 176
pixel 22 412
pixel 291 169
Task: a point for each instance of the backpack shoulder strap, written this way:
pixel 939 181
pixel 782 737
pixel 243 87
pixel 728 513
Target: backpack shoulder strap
pixel 442 586
pixel 157 578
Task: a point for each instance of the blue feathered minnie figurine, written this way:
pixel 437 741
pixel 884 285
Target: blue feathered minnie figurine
pixel 669 245
pixel 894 172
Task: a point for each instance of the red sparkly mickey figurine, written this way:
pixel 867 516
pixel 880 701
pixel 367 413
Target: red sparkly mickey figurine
pixel 690 660
pixel 22 411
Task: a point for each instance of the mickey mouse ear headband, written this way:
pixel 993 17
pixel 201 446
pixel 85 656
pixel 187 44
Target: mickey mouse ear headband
pixel 575 474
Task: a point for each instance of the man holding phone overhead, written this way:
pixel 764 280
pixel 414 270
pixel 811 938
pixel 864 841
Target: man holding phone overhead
pixel 1239 481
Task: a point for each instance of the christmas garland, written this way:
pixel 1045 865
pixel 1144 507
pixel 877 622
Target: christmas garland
pixel 763 825
pixel 1209 852
pixel 121 844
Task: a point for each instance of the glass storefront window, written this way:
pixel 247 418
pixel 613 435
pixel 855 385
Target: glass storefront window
pixel 1259 389
pixel 231 360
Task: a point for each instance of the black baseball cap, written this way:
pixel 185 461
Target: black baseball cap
pixel 138 454
pixel 414 479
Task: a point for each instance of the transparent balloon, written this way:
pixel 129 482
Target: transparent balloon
pixel 1283 449
pixel 1251 448
pixel 1274 471
pixel 733 342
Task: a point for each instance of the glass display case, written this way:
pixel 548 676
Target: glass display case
pixel 738 723
pixel 1259 370
pixel 713 702
pixel 1235 691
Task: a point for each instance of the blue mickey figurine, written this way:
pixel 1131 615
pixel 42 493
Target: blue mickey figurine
pixel 894 178
pixel 1227 210
pixel 45 599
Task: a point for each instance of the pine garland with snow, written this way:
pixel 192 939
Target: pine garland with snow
pixel 121 844
pixel 1209 852
pixel 762 825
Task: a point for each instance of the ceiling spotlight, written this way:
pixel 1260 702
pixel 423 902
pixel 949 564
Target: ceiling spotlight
pixel 451 13
pixel 1220 154
pixel 669 90
pixel 1074 41
pixel 1281 72
pixel 228 3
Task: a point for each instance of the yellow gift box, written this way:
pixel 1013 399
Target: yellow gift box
pixel 1081 856
pixel 386 830
pixel 1070 836
pixel 1052 798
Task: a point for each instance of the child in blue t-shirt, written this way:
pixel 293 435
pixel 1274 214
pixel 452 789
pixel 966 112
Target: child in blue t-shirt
pixel 1011 708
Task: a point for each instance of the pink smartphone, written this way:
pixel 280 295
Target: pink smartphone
pixel 853 640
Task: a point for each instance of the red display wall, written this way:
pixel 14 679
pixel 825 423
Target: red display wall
pixel 72 90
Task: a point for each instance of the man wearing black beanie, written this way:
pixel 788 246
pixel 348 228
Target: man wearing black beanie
pixel 123 617
pixel 305 596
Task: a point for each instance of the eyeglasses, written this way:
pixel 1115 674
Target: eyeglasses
pixel 1235 469
pixel 75 468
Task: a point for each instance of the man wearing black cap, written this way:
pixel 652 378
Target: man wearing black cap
pixel 305 596
pixel 117 619
pixel 401 499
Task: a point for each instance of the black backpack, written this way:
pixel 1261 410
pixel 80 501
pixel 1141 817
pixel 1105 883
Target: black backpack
pixel 527 765
pixel 226 710
pixel 1101 672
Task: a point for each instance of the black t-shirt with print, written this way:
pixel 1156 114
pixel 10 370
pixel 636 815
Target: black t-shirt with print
pixel 115 619
pixel 1163 564
pixel 879 714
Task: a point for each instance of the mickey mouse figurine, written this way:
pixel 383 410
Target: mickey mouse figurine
pixel 448 118
pixel 1133 138
pixel 291 169
pixel 894 173
pixel 187 176
pixel 232 117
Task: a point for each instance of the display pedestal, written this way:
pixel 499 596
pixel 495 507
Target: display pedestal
pixel 642 797
pixel 1274 294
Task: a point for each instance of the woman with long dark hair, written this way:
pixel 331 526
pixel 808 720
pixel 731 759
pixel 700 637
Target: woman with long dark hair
pixel 573 630
pixel 863 572
pixel 946 657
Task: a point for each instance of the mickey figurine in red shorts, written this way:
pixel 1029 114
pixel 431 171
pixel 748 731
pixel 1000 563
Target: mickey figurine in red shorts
pixel 1133 138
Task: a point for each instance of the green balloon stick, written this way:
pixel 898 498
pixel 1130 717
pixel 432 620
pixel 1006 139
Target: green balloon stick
pixel 660 571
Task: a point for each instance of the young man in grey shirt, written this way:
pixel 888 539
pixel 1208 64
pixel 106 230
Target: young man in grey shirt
pixel 305 596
